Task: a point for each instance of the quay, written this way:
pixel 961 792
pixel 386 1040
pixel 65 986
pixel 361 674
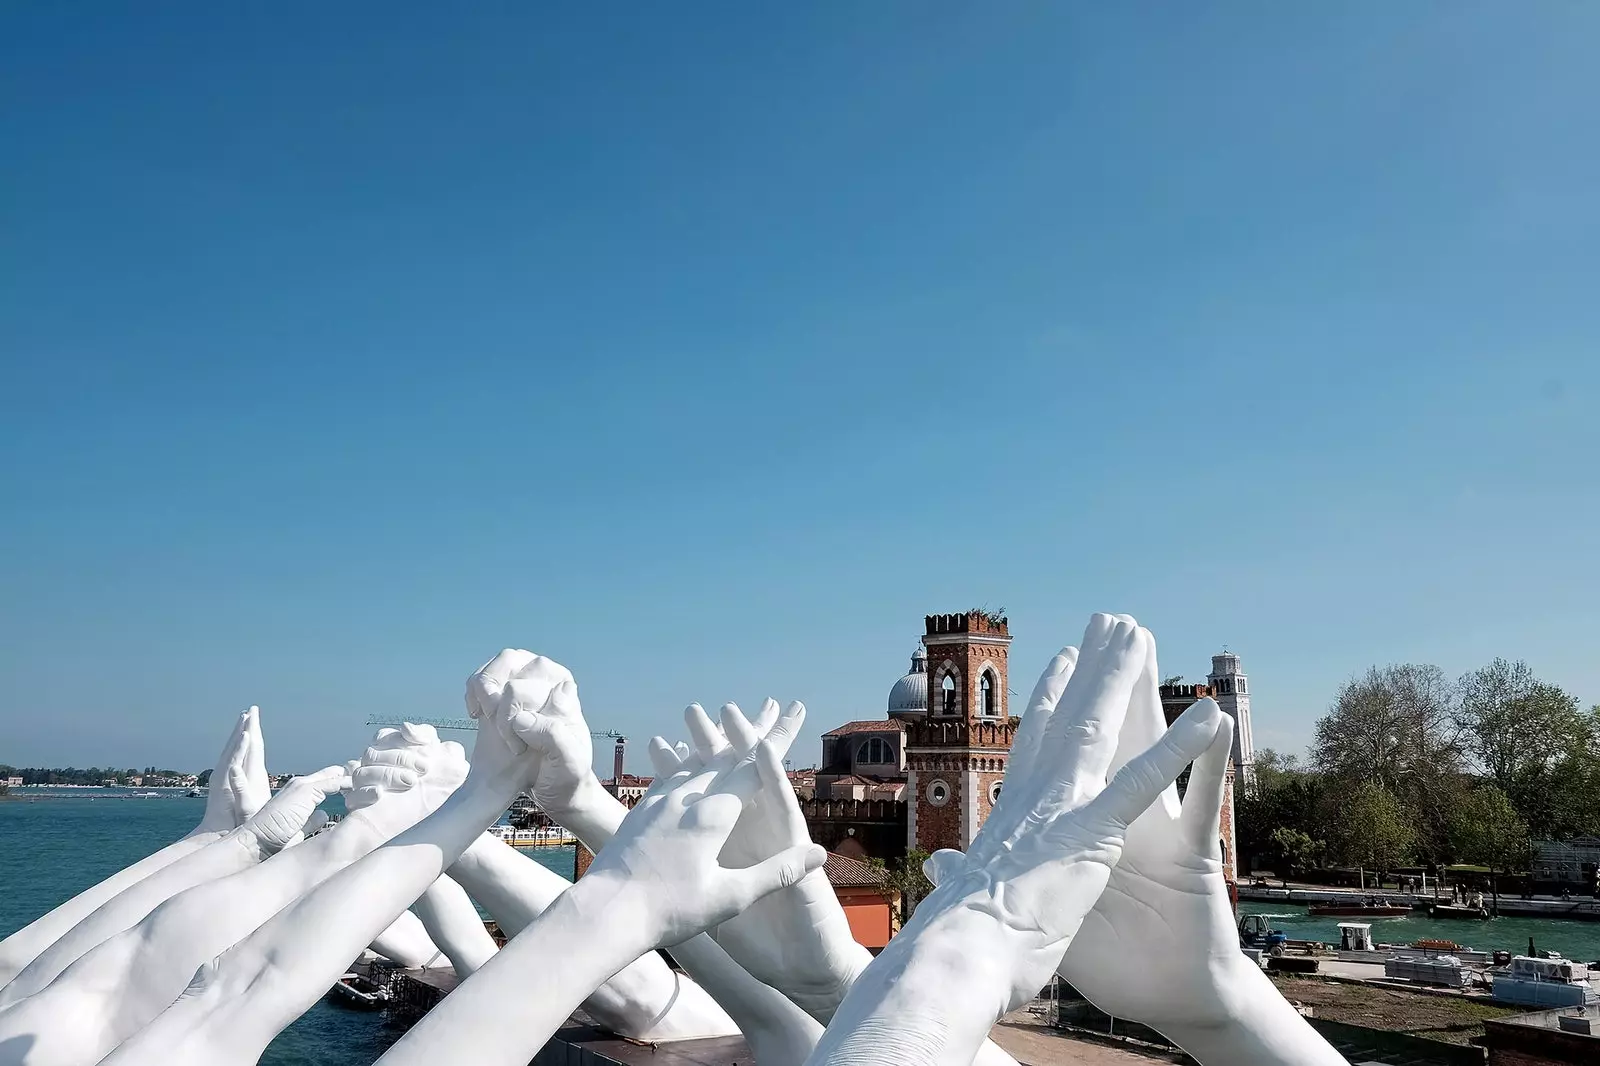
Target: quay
pixel 1580 909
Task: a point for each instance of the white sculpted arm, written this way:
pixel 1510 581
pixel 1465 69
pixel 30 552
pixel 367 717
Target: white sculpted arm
pixel 408 944
pixel 658 882
pixel 452 922
pixel 645 1000
pixel 1167 899
pixel 239 789
pixel 1002 916
pixel 115 990
pixel 289 962
pixel 271 829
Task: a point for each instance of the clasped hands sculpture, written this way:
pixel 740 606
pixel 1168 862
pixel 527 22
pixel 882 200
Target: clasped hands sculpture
pixel 1116 884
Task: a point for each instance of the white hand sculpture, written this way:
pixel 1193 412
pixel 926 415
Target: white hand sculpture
pixel 796 940
pixel 1167 899
pixel 292 815
pixel 658 882
pixel 404 776
pixel 665 856
pixel 989 936
pixel 239 785
pixel 529 700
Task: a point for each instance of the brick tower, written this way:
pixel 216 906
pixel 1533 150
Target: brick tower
pixel 956 755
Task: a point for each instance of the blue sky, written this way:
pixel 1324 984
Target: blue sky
pixel 708 347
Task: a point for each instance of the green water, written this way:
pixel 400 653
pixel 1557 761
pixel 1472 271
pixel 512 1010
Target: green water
pixel 53 848
pixel 1575 940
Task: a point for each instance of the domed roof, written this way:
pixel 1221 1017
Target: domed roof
pixel 910 693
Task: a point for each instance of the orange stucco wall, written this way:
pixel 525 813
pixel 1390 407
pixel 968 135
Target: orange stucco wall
pixel 868 915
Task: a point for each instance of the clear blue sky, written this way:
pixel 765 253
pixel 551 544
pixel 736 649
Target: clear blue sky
pixel 707 347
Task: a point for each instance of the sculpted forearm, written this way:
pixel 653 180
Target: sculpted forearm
pixel 452 922
pixel 779 1033
pixel 929 1000
pixel 28 943
pixel 234 852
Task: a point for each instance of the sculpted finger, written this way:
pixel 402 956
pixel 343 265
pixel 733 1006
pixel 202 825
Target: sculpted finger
pixel 1081 737
pixel 943 865
pixel 1145 776
pixel 1202 801
pixel 707 739
pixel 663 758
pixel 768 716
pixel 489 680
pixel 1145 720
pixel 1041 705
pixel 318 819
pixel 737 728
pixel 787 729
pixel 777 791
pixel 783 870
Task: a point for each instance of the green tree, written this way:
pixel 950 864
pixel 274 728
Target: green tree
pixel 1279 794
pixel 1526 736
pixel 1395 727
pixel 1371 829
pixel 904 876
pixel 1295 850
pixel 1485 830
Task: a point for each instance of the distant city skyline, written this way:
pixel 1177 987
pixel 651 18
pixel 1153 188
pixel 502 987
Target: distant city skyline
pixel 708 349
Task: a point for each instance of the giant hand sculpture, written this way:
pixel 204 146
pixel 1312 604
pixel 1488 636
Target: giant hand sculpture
pixel 989 936
pixel 290 961
pixel 239 788
pixel 658 882
pixel 1167 899
pixel 284 820
pixel 98 1002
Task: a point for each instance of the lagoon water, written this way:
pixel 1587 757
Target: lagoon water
pixel 1574 939
pixel 56 843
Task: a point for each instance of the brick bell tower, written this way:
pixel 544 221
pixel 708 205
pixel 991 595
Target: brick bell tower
pixel 957 754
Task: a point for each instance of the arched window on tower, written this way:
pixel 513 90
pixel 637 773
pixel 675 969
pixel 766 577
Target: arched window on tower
pixel 986 695
pixel 949 694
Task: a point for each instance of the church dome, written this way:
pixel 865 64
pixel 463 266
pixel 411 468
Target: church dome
pixel 910 693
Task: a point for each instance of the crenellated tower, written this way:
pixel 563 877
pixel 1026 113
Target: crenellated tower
pixel 956 755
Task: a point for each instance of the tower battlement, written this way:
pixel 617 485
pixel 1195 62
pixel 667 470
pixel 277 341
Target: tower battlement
pixel 966 622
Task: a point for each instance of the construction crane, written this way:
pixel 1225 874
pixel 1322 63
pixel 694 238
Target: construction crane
pixel 465 725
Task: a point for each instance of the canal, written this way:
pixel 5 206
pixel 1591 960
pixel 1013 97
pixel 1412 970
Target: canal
pixel 1575 940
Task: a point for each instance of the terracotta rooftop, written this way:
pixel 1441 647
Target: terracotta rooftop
pixel 845 872
pixel 631 781
pixel 874 725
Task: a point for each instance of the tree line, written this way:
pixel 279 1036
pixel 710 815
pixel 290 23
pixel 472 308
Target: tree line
pixel 1407 768
pixel 94 775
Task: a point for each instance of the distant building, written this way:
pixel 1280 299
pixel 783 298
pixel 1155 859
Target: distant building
pixel 868 903
pixel 1571 863
pixel 629 788
pixel 927 774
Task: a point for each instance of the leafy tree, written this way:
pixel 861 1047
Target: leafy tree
pixel 1525 735
pixel 904 875
pixel 1371 828
pixel 1395 728
pixel 1486 831
pixel 1296 851
pixel 1278 794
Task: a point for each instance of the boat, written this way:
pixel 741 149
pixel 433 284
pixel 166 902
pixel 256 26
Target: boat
pixel 1371 907
pixel 1456 910
pixel 1552 982
pixel 548 836
pixel 358 993
pixel 198 792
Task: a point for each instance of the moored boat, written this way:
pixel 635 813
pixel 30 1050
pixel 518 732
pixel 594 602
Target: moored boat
pixel 1367 908
pixel 1454 910
pixel 358 993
